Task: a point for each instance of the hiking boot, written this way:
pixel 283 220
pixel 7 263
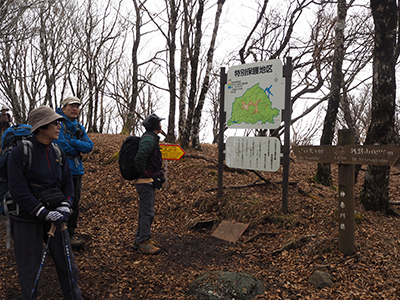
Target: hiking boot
pixel 148 247
pixel 135 245
pixel 76 242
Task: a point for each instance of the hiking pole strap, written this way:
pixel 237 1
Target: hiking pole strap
pixel 8 225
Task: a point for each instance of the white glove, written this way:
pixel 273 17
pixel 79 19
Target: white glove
pixel 54 216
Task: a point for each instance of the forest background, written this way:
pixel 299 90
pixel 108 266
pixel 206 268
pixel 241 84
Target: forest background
pixel 126 59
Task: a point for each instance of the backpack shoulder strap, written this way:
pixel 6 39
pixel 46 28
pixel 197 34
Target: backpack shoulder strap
pixel 154 139
pixel 66 130
pixel 25 146
pixel 155 145
pixel 57 148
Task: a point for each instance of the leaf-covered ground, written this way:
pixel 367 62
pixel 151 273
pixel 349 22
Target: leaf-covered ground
pixel 109 267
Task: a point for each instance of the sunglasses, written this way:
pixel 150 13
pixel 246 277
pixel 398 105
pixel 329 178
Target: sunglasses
pixel 56 123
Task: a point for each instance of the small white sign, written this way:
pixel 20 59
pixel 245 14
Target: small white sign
pixel 253 153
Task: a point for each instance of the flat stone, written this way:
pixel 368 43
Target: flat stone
pixel 230 231
pixel 320 279
pixel 218 285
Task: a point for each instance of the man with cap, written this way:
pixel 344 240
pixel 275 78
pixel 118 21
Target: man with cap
pixel 149 164
pixel 30 227
pixel 5 119
pixel 74 141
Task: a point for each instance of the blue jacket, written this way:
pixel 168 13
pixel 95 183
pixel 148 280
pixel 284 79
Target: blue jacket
pixel 45 172
pixel 72 146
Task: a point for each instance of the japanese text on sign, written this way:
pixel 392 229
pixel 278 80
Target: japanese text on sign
pixel 253 153
pixel 257 70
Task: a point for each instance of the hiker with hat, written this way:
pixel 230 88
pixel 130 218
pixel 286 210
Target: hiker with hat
pixel 30 227
pixel 74 140
pixel 5 119
pixel 149 164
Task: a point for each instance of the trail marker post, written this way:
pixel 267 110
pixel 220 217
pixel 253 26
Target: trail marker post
pixel 346 155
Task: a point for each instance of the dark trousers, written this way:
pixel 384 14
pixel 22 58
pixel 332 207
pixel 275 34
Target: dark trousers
pixel 73 218
pixel 147 195
pixel 28 246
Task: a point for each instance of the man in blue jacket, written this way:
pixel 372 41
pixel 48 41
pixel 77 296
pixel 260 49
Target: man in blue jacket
pixel 74 140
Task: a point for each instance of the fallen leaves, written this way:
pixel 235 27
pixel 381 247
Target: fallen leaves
pixel 109 267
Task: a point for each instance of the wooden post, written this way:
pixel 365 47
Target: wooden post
pixel 221 144
pixel 287 117
pixel 346 155
pixel 346 198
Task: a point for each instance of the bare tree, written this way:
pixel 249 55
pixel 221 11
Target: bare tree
pixel 189 133
pixel 323 174
pixel 273 37
pixel 194 55
pixel 13 54
pixel 53 29
pixel 130 122
pixel 375 192
pixel 98 45
pixel 206 80
pixel 213 111
pixel 184 65
pixel 173 11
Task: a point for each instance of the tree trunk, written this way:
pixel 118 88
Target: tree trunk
pixel 44 51
pixel 206 83
pixel 194 62
pixel 375 192
pixel 172 75
pixel 183 73
pixel 130 123
pixel 323 174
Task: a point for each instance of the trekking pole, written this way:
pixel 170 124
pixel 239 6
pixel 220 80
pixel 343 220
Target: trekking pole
pixel 51 234
pixel 68 261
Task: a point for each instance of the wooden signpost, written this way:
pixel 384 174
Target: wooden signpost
pixel 347 155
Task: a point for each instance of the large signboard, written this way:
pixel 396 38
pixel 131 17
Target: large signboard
pixel 253 153
pixel 255 95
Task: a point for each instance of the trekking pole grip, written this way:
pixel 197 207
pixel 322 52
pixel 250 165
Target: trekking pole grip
pixel 52 230
pixel 63 226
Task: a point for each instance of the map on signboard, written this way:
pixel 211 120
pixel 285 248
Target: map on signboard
pixel 253 107
pixel 254 95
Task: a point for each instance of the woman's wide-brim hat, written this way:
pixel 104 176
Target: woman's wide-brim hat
pixel 41 116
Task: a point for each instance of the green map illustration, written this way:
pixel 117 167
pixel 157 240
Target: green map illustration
pixel 254 106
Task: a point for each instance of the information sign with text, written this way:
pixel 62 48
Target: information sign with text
pixel 253 153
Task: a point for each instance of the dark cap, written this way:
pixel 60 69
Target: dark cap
pixel 152 122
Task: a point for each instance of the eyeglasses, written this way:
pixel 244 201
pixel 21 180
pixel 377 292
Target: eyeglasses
pixel 56 123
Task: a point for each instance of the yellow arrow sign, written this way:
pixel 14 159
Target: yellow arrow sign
pixel 171 152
